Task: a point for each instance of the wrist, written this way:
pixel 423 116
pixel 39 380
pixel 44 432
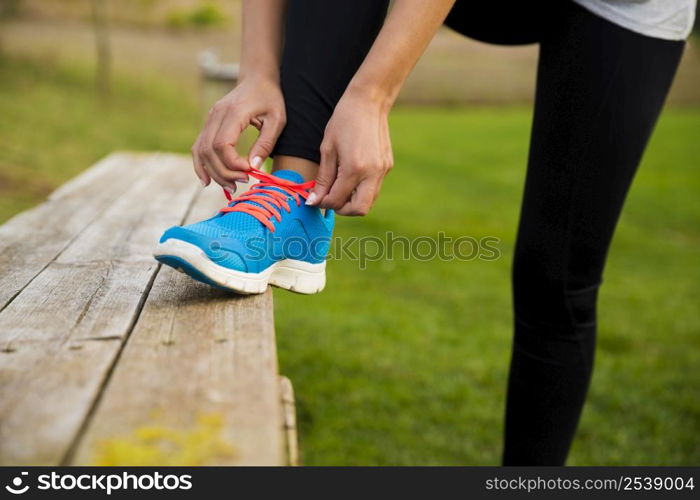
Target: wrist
pixel 379 95
pixel 269 74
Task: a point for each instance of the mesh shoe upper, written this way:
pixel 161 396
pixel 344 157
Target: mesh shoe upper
pixel 238 240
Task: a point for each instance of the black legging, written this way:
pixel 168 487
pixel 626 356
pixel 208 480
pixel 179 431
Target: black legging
pixel 600 89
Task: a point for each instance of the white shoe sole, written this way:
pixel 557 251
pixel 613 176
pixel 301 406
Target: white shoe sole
pixel 295 275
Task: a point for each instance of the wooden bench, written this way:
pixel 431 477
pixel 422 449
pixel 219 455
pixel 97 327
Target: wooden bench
pixel 107 358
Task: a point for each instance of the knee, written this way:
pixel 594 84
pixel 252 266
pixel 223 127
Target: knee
pixel 548 297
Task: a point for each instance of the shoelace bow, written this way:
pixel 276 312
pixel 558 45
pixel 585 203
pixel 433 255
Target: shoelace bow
pixel 268 202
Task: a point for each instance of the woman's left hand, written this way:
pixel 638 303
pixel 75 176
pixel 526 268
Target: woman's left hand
pixel 355 156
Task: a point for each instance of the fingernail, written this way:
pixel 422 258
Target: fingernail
pixel 256 162
pixel 312 199
pixel 230 190
pixel 204 184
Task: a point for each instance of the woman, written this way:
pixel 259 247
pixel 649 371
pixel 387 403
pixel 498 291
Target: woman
pixel 319 77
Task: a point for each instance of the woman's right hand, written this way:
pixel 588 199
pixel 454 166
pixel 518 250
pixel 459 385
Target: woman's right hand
pixel 255 101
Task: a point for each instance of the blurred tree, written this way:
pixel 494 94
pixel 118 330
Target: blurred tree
pixel 104 53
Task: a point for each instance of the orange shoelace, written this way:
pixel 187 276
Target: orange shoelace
pixel 268 201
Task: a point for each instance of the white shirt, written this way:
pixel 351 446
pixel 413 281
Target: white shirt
pixel 667 19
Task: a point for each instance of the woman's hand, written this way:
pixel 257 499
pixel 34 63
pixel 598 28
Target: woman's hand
pixel 355 156
pixel 255 101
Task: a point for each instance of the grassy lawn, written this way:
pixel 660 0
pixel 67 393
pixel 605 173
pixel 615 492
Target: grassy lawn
pixel 405 362
pixel 52 126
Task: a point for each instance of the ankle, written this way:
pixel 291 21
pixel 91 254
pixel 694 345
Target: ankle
pixel 306 168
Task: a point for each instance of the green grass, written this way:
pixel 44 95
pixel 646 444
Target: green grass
pixel 405 362
pixel 52 125
pixel 200 16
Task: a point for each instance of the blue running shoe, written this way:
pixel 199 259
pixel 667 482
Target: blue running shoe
pixel 268 235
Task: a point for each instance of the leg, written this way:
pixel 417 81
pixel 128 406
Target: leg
pixel 325 43
pixel 600 89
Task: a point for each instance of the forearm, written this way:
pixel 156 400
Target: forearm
pixel 263 28
pixel 408 29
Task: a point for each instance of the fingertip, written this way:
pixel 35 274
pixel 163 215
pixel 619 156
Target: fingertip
pixel 320 190
pixel 312 200
pixel 244 165
pixel 256 161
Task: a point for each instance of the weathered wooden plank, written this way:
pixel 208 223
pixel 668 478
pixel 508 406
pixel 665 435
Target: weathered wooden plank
pixel 290 421
pixel 197 382
pixel 60 336
pixel 32 239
